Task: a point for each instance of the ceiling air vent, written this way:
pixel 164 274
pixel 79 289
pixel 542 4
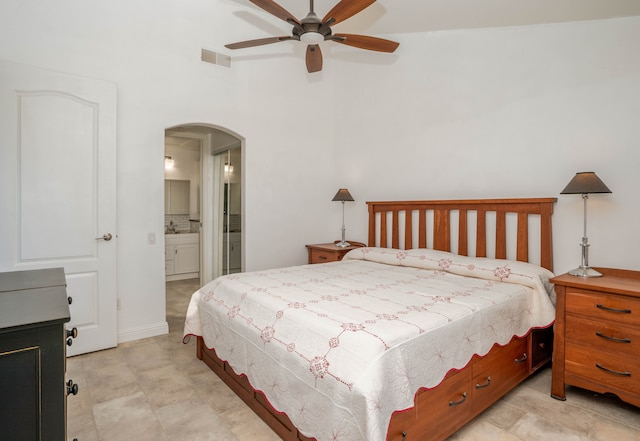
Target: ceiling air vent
pixel 216 58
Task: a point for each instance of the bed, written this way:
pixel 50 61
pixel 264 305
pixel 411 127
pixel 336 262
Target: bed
pixel 402 340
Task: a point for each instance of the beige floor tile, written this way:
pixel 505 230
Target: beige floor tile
pixel 604 430
pixel 247 426
pixel 534 428
pixel 193 420
pixel 128 418
pixel 111 381
pixel 479 430
pixel 165 385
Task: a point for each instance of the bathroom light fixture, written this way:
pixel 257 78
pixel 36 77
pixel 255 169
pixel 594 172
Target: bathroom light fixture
pixel 228 168
pixel 168 162
pixel 343 195
pixel 584 183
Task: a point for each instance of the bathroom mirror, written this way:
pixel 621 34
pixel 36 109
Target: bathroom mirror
pixel 176 196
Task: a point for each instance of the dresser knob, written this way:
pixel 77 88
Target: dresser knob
pixel 72 389
pixel 69 341
pixel 70 299
pixel 72 332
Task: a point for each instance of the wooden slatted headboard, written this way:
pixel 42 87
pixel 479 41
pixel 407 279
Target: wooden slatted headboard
pixel 383 213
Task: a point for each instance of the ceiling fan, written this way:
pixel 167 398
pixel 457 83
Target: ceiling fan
pixel 311 30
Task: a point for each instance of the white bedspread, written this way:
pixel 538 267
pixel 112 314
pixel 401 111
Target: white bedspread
pixel 340 346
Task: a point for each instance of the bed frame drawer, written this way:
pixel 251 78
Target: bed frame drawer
pixel 499 372
pixel 437 412
pixel 463 394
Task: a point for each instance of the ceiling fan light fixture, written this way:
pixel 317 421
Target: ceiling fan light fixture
pixel 312 30
pixel 312 38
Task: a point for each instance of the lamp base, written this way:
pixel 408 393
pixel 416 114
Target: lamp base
pixel 343 244
pixel 585 271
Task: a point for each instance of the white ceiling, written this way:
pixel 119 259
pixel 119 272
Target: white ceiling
pixel 399 16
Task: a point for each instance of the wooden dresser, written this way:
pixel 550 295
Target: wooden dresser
pixel 597 334
pixel 33 311
pixel 330 252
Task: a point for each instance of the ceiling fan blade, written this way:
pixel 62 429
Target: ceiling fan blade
pixel 314 58
pixel 258 42
pixel 365 42
pixel 346 9
pixel 275 9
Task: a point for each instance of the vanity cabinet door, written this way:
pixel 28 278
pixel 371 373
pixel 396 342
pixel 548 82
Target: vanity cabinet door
pixel 187 258
pixel 169 261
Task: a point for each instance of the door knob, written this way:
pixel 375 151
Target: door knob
pixel 106 237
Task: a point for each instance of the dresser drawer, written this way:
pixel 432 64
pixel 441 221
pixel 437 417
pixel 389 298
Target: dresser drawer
pixel 611 371
pixel 600 306
pixel 605 336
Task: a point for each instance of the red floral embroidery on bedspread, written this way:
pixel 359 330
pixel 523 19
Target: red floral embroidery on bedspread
pixel 319 364
pixel 502 272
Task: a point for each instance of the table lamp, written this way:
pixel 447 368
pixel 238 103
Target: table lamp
pixel 343 195
pixel 585 183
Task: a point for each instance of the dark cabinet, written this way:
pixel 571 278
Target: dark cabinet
pixel 33 311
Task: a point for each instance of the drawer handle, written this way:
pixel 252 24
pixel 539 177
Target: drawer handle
pixel 606 308
pixel 521 360
pixel 623 374
pixel 482 386
pixel 457 403
pixel 608 337
pixel 322 257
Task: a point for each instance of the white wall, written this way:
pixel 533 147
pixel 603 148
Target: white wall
pixel 508 112
pixel 486 113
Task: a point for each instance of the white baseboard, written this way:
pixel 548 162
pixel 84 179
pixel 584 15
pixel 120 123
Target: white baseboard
pixel 183 276
pixel 143 332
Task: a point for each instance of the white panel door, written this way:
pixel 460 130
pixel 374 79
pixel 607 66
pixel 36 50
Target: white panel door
pixel 58 190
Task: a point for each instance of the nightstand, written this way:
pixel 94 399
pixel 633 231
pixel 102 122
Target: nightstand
pixel 597 334
pixel 330 252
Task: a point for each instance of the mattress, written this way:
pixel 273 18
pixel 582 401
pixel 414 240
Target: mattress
pixel 340 346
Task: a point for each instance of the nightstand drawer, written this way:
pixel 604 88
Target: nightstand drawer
pixel 604 336
pixel 620 309
pixel 322 256
pixel 329 252
pixel 613 371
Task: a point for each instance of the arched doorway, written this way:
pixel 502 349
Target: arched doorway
pixel 216 197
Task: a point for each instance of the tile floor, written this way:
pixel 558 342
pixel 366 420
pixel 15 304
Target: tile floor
pixel 156 390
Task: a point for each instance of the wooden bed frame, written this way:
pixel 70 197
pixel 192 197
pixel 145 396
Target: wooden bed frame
pixel 463 394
